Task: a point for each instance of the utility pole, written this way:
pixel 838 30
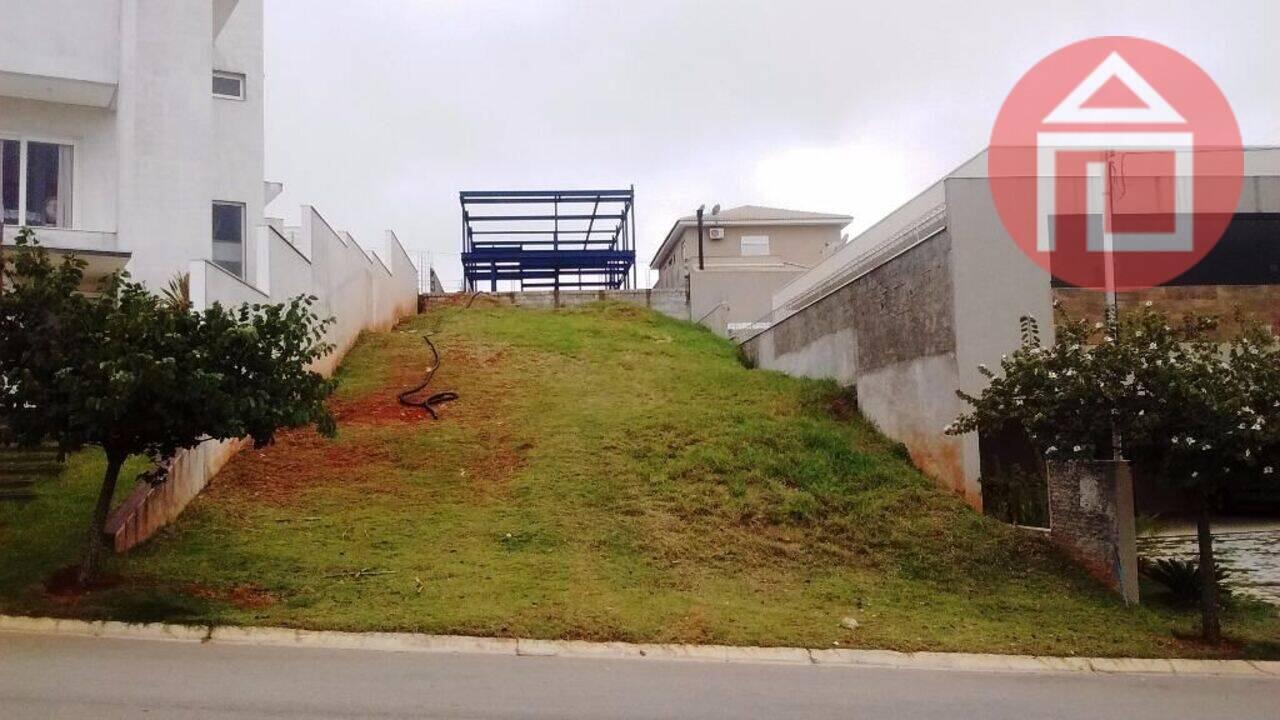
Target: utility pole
pixel 700 263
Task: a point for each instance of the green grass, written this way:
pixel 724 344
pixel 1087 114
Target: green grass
pixel 607 474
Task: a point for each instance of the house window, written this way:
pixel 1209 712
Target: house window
pixel 228 237
pixel 35 183
pixel 228 85
pixel 755 245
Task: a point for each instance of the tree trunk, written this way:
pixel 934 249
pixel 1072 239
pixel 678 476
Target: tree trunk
pixel 92 564
pixel 1210 626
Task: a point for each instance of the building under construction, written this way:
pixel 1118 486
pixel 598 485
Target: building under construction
pixel 551 239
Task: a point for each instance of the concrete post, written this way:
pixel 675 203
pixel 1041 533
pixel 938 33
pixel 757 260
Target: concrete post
pixel 1091 517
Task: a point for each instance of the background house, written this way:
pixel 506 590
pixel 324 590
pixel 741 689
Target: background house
pixel 748 253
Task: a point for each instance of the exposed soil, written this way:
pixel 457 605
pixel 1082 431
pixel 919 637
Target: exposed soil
pixel 383 408
pixel 299 461
pixel 65 583
pixel 844 405
pixel 245 597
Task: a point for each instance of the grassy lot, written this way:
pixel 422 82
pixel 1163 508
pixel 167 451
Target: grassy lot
pixel 607 474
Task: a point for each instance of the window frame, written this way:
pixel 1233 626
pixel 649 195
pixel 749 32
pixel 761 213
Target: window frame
pixel 228 75
pixel 755 243
pixel 23 139
pixel 244 240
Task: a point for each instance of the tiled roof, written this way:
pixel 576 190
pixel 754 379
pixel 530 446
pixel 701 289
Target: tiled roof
pixel 753 213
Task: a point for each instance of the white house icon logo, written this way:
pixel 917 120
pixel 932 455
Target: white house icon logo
pixel 1116 155
pixel 1110 137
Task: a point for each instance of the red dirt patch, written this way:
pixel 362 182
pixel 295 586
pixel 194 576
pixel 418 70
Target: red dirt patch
pixel 65 583
pixel 245 597
pixel 300 460
pixel 382 408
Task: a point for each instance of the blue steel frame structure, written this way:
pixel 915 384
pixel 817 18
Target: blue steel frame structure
pixel 549 239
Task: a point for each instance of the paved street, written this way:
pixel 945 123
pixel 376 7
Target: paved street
pixel 71 677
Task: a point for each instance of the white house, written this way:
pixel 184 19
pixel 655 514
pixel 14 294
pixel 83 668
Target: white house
pixel 131 134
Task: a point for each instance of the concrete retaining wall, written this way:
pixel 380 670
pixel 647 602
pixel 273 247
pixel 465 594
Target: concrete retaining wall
pixel 362 291
pixel 891 333
pixel 674 303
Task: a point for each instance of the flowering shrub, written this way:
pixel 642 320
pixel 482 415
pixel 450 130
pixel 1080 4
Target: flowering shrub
pixel 1189 410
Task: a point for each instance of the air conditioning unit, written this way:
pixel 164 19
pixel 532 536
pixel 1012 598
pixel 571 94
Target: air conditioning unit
pixel 716 233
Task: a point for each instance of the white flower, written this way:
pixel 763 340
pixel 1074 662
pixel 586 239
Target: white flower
pixel 1147 304
pixel 1195 474
pixel 1268 470
pixel 1051 450
pixel 1070 372
pixel 1248 452
pixel 1191 440
pixel 1053 375
pixel 1097 326
pixel 1206 446
pixel 1076 449
pixel 1152 346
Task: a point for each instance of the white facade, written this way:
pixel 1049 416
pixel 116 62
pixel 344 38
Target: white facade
pixel 131 134
pixel 131 131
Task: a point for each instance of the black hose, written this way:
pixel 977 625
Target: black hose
pixel 431 401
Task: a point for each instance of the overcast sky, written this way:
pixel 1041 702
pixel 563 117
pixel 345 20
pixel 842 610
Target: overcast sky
pixel 380 111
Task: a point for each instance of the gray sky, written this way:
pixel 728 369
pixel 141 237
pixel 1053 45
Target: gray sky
pixel 380 111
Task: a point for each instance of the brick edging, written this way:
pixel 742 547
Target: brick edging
pixel 834 657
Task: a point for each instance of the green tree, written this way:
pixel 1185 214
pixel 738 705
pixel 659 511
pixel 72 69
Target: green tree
pixel 1187 408
pixel 131 373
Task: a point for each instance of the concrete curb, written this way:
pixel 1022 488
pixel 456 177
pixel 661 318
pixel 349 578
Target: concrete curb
pixel 835 657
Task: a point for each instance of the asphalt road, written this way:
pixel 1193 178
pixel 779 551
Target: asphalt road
pixel 70 677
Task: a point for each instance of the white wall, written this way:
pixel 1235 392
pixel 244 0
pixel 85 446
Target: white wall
pixel 165 129
pixel 238 145
pixel 61 39
pixel 361 291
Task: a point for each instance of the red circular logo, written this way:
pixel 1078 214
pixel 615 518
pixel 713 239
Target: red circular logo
pixel 1116 162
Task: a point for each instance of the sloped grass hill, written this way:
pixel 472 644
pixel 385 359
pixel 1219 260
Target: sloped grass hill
pixel 607 474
